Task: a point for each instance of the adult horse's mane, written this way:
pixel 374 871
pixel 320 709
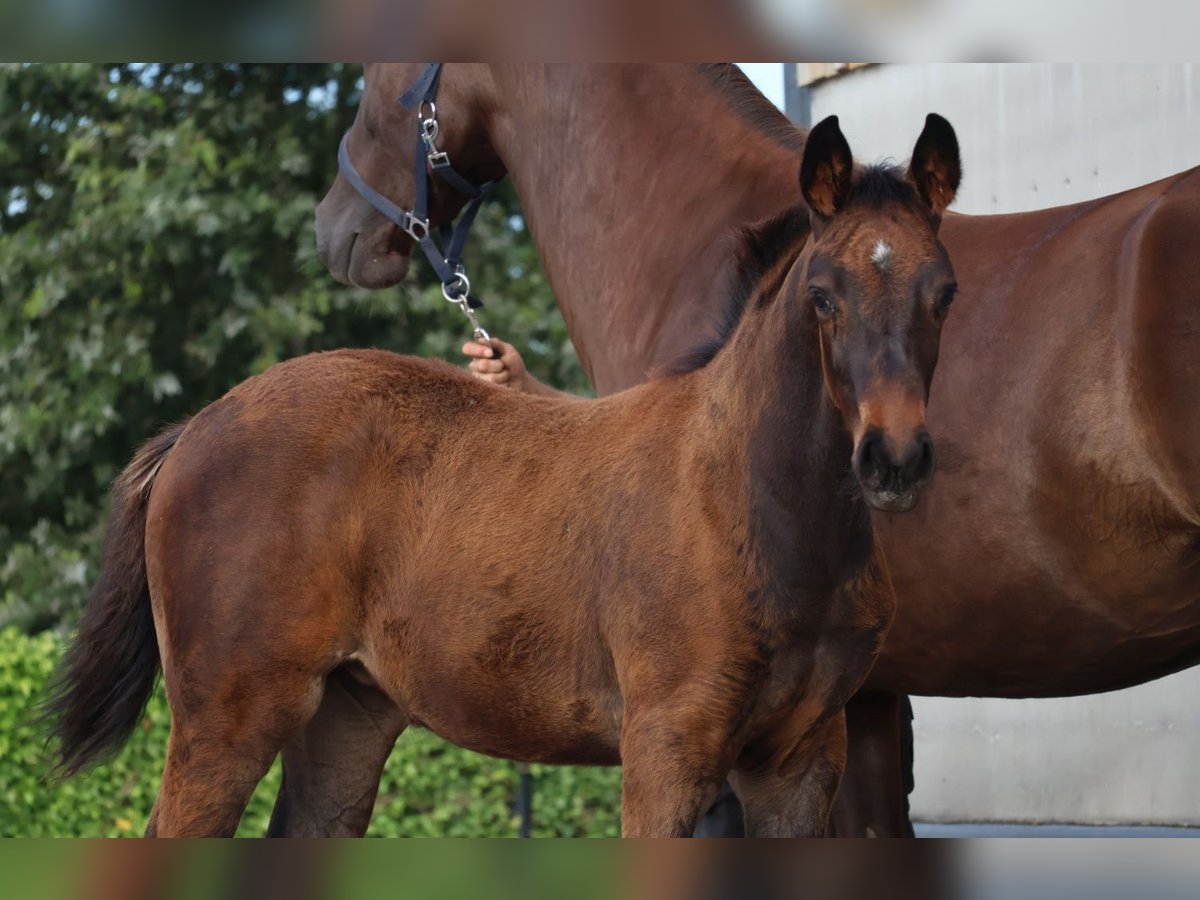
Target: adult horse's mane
pixel 749 103
pixel 761 248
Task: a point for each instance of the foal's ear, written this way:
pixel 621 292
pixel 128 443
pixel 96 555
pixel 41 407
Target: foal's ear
pixel 826 169
pixel 935 168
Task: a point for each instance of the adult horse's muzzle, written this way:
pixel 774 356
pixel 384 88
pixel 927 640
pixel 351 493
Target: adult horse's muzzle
pixel 357 245
pixel 892 472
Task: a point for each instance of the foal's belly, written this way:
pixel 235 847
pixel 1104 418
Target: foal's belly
pixel 522 714
pixel 502 683
pixel 521 728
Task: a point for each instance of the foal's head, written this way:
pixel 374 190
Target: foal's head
pixel 881 284
pixel 359 245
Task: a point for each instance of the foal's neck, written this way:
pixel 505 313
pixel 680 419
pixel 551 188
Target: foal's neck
pixel 766 404
pixel 634 181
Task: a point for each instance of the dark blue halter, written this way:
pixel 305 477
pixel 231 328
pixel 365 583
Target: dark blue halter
pixel 415 222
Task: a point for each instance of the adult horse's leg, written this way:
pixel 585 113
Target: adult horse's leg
pixel 790 792
pixel 873 799
pixel 331 769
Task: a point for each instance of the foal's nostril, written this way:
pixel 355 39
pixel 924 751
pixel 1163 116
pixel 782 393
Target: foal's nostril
pixel 916 466
pixel 873 462
pixel 879 467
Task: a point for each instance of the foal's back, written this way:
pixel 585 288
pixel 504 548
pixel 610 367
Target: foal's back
pixel 414 521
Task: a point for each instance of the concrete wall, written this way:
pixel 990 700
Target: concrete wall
pixel 1129 757
pixel 1034 136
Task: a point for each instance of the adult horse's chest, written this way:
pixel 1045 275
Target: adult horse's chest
pixel 1083 577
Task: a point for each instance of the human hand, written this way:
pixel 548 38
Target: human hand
pixel 498 363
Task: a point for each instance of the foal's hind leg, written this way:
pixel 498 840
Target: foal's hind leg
pixel 204 789
pixel 239 687
pixel 220 748
pixel 331 769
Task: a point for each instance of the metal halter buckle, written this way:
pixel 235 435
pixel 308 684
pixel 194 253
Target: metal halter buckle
pixel 417 228
pixel 439 159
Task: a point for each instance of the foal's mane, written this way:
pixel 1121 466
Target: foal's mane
pixel 763 246
pixel 759 249
pixel 877 186
pixel 749 103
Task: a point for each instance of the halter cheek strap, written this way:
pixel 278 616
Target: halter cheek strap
pixel 415 222
pixel 424 88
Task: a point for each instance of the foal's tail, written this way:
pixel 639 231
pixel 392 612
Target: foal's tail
pixel 102 686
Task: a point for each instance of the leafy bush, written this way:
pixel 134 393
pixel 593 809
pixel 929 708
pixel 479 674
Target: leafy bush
pixel 429 787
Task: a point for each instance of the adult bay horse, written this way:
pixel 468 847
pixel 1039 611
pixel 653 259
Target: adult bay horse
pixel 1065 524
pixel 689 585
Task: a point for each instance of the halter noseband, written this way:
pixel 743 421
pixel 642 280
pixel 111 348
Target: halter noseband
pixel 415 222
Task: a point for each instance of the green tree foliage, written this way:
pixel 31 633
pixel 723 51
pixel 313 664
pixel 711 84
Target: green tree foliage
pixel 155 249
pixel 429 788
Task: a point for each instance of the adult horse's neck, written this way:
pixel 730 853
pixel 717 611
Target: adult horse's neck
pixel 634 182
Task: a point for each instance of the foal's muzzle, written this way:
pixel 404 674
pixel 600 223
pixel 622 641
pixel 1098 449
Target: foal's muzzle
pixel 892 472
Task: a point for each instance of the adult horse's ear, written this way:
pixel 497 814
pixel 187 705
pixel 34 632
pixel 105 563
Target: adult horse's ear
pixel 935 168
pixel 826 169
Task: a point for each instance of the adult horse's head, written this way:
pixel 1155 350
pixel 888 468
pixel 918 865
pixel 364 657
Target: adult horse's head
pixel 881 284
pixel 358 244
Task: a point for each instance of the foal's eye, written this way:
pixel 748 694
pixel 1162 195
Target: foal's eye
pixel 946 298
pixel 821 301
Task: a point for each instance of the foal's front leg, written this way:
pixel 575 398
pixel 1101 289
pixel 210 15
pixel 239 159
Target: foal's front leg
pixel 790 792
pixel 674 761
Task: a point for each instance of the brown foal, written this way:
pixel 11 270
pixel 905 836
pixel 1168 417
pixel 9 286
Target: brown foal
pixel 689 585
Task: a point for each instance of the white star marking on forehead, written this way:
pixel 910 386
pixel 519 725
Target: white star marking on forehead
pixel 881 255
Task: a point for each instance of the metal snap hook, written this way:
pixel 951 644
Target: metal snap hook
pixel 429 130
